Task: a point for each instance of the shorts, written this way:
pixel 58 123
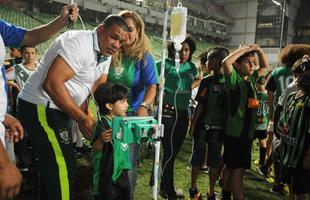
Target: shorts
pixel 237 152
pixel 260 134
pixel 199 148
pixel 300 180
pixel 214 155
pixel 202 138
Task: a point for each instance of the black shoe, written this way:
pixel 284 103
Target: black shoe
pixel 194 194
pixel 176 195
pixel 211 197
pixel 172 196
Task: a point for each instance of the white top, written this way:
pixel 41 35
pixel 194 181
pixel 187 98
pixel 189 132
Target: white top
pixel 19 73
pixel 3 96
pixel 79 49
pixel 292 87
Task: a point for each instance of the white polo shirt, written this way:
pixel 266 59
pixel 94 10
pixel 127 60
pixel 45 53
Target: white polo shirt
pixel 79 49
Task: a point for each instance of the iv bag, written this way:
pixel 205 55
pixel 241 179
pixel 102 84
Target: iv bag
pixel 178 24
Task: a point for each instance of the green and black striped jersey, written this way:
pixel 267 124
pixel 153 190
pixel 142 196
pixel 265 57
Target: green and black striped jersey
pixel 296 129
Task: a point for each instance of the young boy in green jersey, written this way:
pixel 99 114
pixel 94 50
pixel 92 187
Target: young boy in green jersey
pixel 240 76
pixel 208 122
pixel 296 136
pixel 112 101
pixel 262 118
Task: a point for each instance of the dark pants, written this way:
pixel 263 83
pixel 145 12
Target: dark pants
pixel 50 134
pixel 171 150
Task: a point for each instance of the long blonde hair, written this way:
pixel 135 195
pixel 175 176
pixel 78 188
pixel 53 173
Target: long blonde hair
pixel 141 45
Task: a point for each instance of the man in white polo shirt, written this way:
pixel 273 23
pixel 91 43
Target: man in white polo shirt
pixel 10 35
pixel 75 63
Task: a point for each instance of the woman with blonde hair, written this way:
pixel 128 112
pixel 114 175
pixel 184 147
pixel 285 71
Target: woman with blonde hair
pixel 134 67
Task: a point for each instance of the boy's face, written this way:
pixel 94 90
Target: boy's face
pixel 15 53
pixel 29 55
pixel 119 108
pixel 247 66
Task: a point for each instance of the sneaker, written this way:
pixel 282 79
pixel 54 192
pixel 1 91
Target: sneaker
pixel 173 196
pixel 194 194
pixel 204 169
pixel 280 189
pixel 212 197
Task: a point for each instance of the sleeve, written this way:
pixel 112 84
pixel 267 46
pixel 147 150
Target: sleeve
pixel 99 128
pixel 203 90
pixel 232 80
pixel 195 70
pixel 271 84
pixel 70 48
pixel 283 98
pixel 103 68
pixel 149 73
pixel 12 35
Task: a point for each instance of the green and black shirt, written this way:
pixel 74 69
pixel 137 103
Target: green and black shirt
pixel 296 128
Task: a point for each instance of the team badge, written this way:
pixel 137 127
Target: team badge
pixel 64 135
pixel 118 71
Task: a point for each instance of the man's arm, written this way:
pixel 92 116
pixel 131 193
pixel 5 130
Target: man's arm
pixel 10 177
pixel 54 84
pixel 43 33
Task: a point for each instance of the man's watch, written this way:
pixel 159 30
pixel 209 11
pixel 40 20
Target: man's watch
pixel 145 105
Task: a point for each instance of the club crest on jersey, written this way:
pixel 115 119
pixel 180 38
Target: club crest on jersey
pixel 64 135
pixel 118 71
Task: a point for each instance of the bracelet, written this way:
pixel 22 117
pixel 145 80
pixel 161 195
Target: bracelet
pixel 143 106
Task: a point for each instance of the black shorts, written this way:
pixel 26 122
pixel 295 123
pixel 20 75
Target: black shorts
pixel 260 134
pixel 237 152
pixel 300 180
pixel 214 155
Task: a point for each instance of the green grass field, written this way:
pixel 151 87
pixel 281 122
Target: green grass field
pixel 255 187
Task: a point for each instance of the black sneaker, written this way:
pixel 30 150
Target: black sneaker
pixel 194 194
pixel 280 189
pixel 212 197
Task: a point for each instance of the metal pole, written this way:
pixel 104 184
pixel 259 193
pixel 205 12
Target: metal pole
pixel 282 24
pixel 160 128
